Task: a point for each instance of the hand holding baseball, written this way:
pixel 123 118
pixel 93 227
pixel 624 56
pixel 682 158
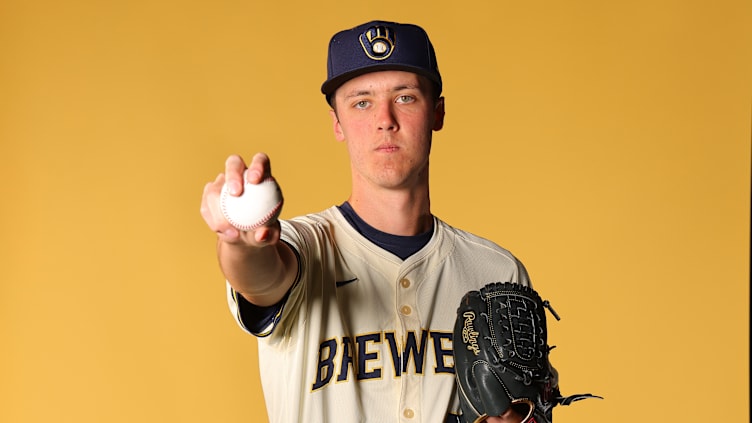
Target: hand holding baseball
pixel 257 205
pixel 243 204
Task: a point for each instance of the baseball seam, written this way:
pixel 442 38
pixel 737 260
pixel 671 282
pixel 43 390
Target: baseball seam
pixel 259 223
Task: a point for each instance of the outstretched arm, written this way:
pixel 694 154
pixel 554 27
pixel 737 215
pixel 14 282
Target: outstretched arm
pixel 256 264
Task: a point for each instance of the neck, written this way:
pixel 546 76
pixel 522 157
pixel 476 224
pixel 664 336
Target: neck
pixel 403 213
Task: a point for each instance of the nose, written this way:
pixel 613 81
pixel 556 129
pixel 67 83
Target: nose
pixel 385 118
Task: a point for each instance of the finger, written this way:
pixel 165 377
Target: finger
pixel 268 234
pixel 205 208
pixel 262 235
pixel 259 169
pixel 211 212
pixel 234 168
pixel 209 202
pixel 230 235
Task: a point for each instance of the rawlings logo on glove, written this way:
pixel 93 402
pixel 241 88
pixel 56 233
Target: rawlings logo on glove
pixel 469 335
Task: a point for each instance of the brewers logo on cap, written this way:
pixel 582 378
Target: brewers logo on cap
pixel 378 42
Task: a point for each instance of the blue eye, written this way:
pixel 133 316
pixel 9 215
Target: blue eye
pixel 405 99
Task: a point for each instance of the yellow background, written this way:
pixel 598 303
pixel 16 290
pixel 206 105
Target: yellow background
pixel 607 144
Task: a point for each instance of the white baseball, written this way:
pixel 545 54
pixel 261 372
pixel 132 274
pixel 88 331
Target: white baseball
pixel 257 205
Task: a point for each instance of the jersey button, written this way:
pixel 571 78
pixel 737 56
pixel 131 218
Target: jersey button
pixel 406 310
pixel 405 282
pixel 408 413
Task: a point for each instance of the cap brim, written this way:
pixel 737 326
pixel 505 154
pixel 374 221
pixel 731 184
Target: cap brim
pixel 330 86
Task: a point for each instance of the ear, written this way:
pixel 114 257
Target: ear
pixel 438 114
pixel 338 134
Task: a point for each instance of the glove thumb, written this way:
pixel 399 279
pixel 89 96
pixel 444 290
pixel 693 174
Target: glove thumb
pixel 493 394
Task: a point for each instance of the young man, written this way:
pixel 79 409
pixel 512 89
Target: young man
pixel 354 306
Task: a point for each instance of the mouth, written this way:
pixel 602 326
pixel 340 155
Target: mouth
pixel 387 148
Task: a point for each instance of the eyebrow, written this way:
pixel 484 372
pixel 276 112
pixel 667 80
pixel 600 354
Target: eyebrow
pixel 359 93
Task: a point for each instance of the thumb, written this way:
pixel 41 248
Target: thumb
pixel 491 389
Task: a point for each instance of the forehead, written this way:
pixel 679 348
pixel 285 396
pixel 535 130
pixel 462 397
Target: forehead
pixel 385 81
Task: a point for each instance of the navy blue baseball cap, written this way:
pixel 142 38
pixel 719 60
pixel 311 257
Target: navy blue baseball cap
pixel 377 46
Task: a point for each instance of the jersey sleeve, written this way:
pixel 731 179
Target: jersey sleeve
pixel 256 320
pixel 522 278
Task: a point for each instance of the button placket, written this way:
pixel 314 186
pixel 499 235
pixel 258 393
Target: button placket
pixel 406 301
pixel 406 307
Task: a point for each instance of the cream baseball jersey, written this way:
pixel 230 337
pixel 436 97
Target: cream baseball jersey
pixel 364 336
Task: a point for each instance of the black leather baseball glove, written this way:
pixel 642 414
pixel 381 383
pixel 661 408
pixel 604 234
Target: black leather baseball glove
pixel 501 355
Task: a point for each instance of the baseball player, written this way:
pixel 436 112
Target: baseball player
pixel 354 306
